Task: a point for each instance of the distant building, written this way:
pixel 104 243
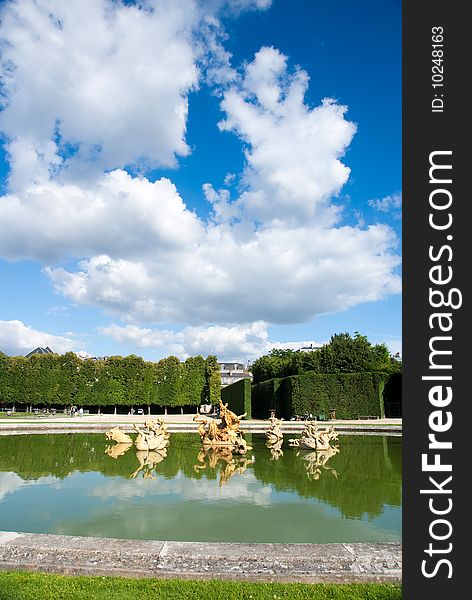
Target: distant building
pixel 231 372
pixel 309 348
pixel 40 350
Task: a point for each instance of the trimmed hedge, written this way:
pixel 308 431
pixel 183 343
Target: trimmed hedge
pixel 238 397
pixel 393 395
pixel 349 394
pixel 62 380
pixel 264 397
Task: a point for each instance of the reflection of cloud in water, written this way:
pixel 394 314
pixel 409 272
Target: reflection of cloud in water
pixel 11 483
pixel 245 488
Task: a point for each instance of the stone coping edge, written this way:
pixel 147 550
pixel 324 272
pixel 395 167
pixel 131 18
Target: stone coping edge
pixel 308 563
pixel 18 428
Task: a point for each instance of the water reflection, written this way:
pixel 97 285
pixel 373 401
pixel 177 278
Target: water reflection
pixel 276 451
pixel 359 481
pixel 148 459
pixel 223 461
pixel 316 460
pixel 117 450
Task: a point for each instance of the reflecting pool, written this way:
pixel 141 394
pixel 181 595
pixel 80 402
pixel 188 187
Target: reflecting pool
pixel 79 484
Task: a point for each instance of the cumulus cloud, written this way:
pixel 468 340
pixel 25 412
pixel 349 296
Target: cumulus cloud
pixel 104 80
pixel 118 214
pixel 113 92
pixel 236 343
pixel 151 259
pixel 278 274
pixel 293 151
pixel 241 343
pixel 392 202
pixel 18 339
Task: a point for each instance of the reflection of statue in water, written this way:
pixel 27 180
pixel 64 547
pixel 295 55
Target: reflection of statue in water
pixel 210 458
pixel 314 438
pixel 117 449
pixel 148 459
pixel 275 449
pixel 317 460
pixel 225 433
pixel 318 440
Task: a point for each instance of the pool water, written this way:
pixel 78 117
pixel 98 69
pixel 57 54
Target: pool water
pixel 71 484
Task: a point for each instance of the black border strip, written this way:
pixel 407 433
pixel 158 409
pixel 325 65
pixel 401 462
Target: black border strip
pixel 424 132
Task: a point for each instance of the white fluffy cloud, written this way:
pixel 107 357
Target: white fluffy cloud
pixel 241 343
pixel 278 274
pixel 18 339
pixel 392 202
pixel 293 152
pixel 237 342
pixel 113 91
pixel 106 80
pixel 117 214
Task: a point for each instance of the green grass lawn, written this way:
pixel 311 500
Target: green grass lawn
pixel 37 586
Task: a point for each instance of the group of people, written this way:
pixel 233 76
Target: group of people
pixel 76 412
pixel 306 417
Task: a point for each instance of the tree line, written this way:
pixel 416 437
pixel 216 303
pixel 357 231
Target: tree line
pixel 342 354
pixel 65 379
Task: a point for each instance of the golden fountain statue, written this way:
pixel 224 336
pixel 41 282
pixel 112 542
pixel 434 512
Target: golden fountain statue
pixel 274 433
pixel 319 441
pixel 225 433
pixel 154 436
pixel 274 439
pixel 314 438
pixel 117 435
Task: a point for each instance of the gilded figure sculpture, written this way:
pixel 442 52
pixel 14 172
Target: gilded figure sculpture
pixel 223 433
pixel 274 433
pixel 274 438
pixel 314 438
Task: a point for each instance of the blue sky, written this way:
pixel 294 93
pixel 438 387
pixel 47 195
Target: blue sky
pixel 175 181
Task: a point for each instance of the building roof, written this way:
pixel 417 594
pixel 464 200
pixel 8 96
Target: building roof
pixel 40 350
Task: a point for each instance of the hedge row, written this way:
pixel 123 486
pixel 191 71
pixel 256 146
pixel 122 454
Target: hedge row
pixel 62 380
pixel 238 397
pixel 265 396
pixel 350 394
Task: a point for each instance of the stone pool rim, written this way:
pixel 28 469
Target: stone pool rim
pixel 263 562
pixel 102 425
